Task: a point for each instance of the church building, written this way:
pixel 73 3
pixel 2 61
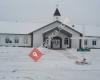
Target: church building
pixel 55 35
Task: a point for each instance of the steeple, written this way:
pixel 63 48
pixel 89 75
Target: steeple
pixel 57 14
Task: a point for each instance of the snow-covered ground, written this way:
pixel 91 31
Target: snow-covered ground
pixel 15 64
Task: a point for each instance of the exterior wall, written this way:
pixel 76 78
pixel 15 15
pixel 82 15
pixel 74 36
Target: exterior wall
pixel 74 42
pixel 89 43
pixel 38 35
pixel 62 36
pixel 98 43
pixel 12 37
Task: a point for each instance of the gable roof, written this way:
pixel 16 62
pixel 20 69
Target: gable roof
pixel 88 30
pixel 18 27
pixel 29 27
pixel 60 23
pixel 72 29
pixel 62 31
pixel 44 26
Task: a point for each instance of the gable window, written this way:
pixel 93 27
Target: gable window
pixel 94 42
pixel 66 41
pixel 7 40
pixel 85 42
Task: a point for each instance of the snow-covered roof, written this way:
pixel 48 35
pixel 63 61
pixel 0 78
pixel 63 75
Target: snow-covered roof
pixel 27 27
pixel 88 30
pixel 19 27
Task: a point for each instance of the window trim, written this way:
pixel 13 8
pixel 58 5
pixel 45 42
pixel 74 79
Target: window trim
pixel 8 40
pixel 16 40
pixel 25 40
pixel 66 41
pixel 94 42
pixel 86 42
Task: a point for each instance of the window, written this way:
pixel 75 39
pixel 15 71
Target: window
pixel 25 40
pixel 85 42
pixel 7 40
pixel 66 41
pixel 47 41
pixel 94 42
pixel 16 40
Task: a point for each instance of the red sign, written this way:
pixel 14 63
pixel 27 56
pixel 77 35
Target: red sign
pixel 35 54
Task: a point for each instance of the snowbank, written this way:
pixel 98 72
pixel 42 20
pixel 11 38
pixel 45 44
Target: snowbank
pixel 53 65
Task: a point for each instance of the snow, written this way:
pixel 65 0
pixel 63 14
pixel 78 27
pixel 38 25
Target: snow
pixel 53 65
pixel 19 27
pixel 88 30
pixel 27 27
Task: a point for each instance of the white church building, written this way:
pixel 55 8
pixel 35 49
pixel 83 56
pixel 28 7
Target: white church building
pixel 54 35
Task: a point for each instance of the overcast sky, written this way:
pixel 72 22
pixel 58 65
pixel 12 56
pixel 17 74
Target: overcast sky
pixel 78 11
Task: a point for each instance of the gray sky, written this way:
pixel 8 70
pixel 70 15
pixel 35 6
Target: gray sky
pixel 78 11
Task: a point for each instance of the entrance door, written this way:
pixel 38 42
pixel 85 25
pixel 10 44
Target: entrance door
pixel 56 43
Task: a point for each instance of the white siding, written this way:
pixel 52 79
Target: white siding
pixel 38 35
pixel 12 37
pixel 98 43
pixel 62 36
pixel 89 42
pixel 74 42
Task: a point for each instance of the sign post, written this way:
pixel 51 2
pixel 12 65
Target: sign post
pixel 35 54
